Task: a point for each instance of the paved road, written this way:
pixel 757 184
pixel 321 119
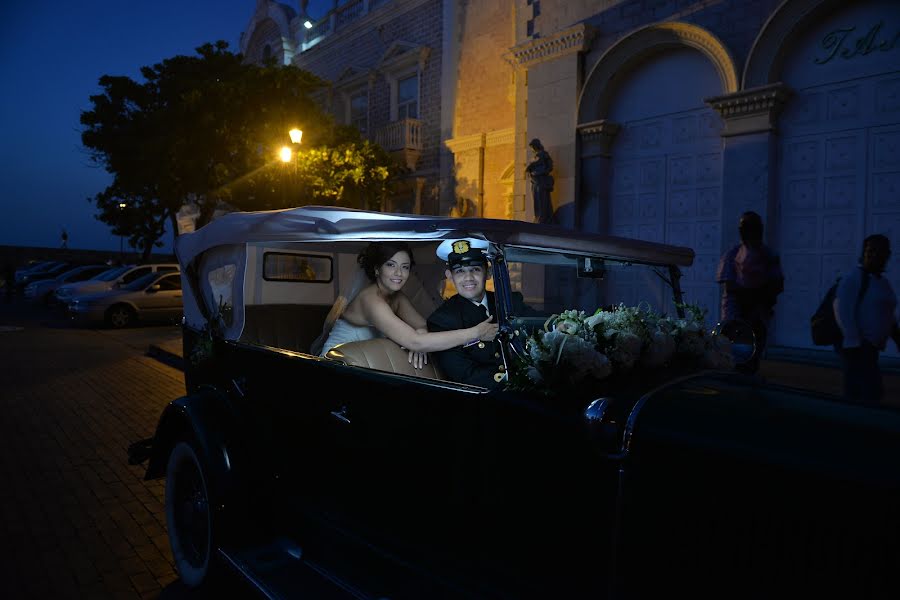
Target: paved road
pixel 76 521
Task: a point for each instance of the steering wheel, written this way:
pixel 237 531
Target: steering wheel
pixel 515 336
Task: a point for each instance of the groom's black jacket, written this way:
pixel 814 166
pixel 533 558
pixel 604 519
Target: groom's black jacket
pixel 476 364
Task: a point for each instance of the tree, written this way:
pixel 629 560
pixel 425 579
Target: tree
pixel 205 130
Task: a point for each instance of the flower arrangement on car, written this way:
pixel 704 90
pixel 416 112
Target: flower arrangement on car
pixel 574 348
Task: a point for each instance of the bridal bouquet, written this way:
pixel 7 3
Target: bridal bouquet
pixel 574 347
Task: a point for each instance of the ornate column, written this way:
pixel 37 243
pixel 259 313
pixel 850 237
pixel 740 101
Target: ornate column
pixel 596 140
pixel 748 157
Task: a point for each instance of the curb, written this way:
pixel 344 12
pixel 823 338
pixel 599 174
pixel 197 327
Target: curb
pixel 166 357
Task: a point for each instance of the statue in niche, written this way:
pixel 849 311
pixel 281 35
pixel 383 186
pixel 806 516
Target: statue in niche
pixel 464 208
pixel 539 171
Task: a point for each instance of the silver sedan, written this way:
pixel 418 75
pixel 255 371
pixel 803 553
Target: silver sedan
pixel 153 297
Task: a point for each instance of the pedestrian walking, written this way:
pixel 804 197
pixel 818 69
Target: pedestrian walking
pixel 751 278
pixel 865 308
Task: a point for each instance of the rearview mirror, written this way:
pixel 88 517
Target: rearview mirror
pixel 593 268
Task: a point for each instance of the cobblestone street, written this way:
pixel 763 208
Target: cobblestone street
pixel 76 520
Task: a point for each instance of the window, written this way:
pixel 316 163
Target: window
pixel 135 274
pixel 408 98
pixel 359 111
pixel 296 267
pixel 170 282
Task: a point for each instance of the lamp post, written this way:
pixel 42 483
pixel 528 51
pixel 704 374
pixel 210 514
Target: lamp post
pixel 286 154
pixel 122 207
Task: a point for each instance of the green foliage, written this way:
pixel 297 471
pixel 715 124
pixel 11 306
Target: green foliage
pixel 206 129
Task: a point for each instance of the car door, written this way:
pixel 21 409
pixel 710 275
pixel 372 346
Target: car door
pixel 407 451
pixel 160 299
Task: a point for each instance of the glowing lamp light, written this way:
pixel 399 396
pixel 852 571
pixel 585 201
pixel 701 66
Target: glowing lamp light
pixel 122 205
pixel 307 24
pixel 285 154
pixel 296 136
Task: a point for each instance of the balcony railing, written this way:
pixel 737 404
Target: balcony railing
pixel 338 18
pixel 404 134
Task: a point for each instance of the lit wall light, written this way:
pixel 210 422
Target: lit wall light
pixel 307 24
pixel 285 154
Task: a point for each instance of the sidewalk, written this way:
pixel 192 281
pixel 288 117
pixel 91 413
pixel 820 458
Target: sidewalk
pixel 813 370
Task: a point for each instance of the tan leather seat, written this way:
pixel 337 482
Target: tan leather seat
pixel 381 354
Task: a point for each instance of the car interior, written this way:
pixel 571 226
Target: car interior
pixel 289 289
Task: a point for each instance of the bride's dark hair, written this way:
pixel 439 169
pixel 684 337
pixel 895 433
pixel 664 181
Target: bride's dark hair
pixel 377 253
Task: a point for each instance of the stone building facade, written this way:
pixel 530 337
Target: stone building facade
pixel 665 119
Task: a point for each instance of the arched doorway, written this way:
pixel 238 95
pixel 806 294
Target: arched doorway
pixel 838 150
pixel 665 164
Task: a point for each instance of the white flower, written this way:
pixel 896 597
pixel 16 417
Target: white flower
pixel 659 351
pixel 629 342
pixel 568 326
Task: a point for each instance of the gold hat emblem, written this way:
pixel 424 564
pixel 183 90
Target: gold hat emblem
pixel 461 246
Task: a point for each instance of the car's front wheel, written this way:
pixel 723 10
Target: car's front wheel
pixel 189 516
pixel 119 316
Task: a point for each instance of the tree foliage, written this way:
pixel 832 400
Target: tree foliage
pixel 205 130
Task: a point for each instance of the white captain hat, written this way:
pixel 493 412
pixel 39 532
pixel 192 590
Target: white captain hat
pixel 462 251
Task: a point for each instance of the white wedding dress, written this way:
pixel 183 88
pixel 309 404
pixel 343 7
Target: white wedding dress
pixel 344 331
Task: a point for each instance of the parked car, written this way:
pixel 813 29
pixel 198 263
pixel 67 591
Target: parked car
pixel 355 475
pixel 153 297
pixel 50 271
pixel 43 290
pixel 125 275
pixel 34 266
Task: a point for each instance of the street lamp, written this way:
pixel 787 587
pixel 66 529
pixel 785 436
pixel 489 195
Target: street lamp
pixel 122 207
pixel 286 154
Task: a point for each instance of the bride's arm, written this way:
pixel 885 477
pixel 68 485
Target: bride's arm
pixel 409 314
pixel 379 314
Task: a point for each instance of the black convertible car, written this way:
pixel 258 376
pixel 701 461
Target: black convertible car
pixel 354 475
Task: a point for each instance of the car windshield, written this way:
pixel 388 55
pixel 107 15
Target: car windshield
pixel 111 274
pixel 552 282
pixel 141 282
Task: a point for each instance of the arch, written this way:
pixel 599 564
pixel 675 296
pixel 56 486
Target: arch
pixel 596 97
pixel 259 29
pixel 769 49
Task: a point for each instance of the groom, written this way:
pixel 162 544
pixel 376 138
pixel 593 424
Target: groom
pixel 477 363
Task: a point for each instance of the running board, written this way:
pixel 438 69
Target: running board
pixel 279 571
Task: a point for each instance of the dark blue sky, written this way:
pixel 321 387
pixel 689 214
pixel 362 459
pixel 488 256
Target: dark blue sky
pixel 53 54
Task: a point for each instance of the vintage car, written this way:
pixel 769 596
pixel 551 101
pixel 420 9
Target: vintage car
pixel 355 475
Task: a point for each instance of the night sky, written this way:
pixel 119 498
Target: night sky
pixel 53 54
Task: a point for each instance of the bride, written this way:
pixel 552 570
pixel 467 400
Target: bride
pixel 381 309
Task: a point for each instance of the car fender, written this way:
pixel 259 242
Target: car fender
pixel 207 418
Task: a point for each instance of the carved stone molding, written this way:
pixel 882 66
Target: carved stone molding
pixel 562 43
pixel 636 47
pixel 597 137
pixel 481 140
pixel 499 137
pixel 464 143
pixel 750 111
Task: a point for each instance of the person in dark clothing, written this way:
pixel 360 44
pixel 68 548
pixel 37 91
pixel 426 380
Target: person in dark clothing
pixel 752 278
pixel 477 362
pixel 865 309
